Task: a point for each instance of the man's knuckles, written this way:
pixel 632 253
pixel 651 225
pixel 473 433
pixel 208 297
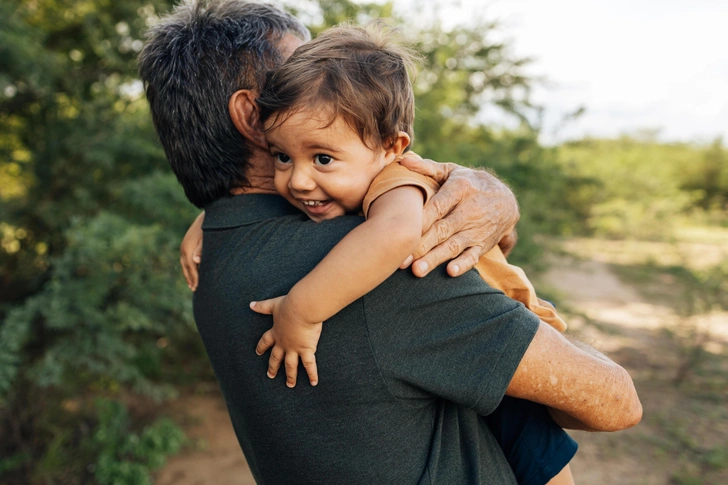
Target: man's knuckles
pixel 442 229
pixel 454 246
pixel 442 205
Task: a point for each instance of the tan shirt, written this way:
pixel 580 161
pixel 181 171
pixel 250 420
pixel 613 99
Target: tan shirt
pixel 492 266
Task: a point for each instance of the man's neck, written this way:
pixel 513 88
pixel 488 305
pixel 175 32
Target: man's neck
pixel 260 173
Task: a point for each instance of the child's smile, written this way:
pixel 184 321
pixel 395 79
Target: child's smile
pixel 322 168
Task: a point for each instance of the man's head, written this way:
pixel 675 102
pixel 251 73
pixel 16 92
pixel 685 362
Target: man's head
pixel 194 60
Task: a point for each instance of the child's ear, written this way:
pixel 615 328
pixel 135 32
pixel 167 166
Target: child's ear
pixel 244 114
pixel 398 146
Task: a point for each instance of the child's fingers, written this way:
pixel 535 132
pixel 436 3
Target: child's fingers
pixel 407 262
pixel 291 369
pixel 197 253
pixel 186 271
pixel 309 363
pixel 266 341
pixel 193 268
pixel 194 278
pixel 265 307
pixel 274 362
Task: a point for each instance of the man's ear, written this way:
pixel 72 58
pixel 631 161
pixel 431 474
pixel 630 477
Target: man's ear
pixel 245 116
pixel 397 147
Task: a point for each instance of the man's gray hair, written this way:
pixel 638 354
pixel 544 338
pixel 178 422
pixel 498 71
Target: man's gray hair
pixel 195 58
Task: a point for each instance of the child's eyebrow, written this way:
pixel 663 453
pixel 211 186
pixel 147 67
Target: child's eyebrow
pixel 322 146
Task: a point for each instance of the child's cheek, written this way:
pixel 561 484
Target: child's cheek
pixel 280 181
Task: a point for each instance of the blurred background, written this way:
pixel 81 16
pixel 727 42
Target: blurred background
pixel 606 118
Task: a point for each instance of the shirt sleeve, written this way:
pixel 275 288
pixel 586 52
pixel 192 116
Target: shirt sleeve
pixel 395 175
pixel 443 337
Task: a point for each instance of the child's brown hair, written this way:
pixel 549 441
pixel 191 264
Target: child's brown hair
pixel 358 73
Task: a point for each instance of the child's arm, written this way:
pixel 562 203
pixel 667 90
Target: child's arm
pixel 356 265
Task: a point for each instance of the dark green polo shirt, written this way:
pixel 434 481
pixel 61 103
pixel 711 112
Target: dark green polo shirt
pixel 404 371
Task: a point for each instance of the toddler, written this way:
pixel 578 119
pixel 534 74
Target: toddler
pixel 337 116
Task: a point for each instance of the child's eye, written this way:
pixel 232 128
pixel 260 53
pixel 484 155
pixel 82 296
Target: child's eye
pixel 283 158
pixel 323 159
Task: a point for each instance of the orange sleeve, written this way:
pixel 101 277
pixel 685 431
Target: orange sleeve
pixel 395 175
pixel 512 281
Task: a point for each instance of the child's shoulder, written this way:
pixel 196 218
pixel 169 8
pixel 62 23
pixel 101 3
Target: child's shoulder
pixel 396 175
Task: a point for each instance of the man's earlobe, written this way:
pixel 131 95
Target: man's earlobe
pixel 244 114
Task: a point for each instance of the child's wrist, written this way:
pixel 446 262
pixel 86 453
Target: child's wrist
pixel 299 308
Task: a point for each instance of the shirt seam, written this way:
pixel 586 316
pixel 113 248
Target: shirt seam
pixel 494 371
pixel 396 398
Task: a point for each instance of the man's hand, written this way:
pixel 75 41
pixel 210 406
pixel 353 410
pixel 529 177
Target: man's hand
pixel 191 251
pixel 471 213
pixel 508 242
pixel 291 338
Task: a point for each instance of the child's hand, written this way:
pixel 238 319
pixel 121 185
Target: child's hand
pixel 291 337
pixel 190 252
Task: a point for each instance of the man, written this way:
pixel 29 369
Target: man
pixel 407 370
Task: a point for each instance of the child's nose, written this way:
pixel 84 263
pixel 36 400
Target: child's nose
pixel 301 181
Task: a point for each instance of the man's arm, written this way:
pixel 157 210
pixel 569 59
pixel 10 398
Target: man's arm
pixel 472 212
pixel 461 340
pixel 583 388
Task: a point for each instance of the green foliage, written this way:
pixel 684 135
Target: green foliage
pixel 641 185
pixel 465 73
pixel 126 458
pixel 113 292
pixel 90 222
pixel 13 462
pixel 72 123
pixel 707 177
pixel 699 462
pixel 552 202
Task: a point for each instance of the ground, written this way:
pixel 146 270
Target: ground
pixel 641 304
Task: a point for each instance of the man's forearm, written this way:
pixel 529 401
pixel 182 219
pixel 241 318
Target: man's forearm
pixel 584 388
pixel 568 422
pixel 562 418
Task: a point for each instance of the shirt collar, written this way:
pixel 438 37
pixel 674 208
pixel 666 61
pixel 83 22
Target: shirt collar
pixel 241 210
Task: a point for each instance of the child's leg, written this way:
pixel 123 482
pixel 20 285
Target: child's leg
pixel 537 449
pixel 563 478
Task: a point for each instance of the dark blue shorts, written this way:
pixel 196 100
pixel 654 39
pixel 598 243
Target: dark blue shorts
pixel 534 445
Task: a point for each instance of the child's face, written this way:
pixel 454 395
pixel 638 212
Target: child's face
pixel 325 171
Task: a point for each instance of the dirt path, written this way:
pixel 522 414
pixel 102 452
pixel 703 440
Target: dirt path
pixel 680 426
pixel 216 458
pixel 617 321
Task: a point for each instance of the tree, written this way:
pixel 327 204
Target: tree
pixel 91 219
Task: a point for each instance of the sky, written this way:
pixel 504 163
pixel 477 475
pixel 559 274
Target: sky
pixel 633 64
